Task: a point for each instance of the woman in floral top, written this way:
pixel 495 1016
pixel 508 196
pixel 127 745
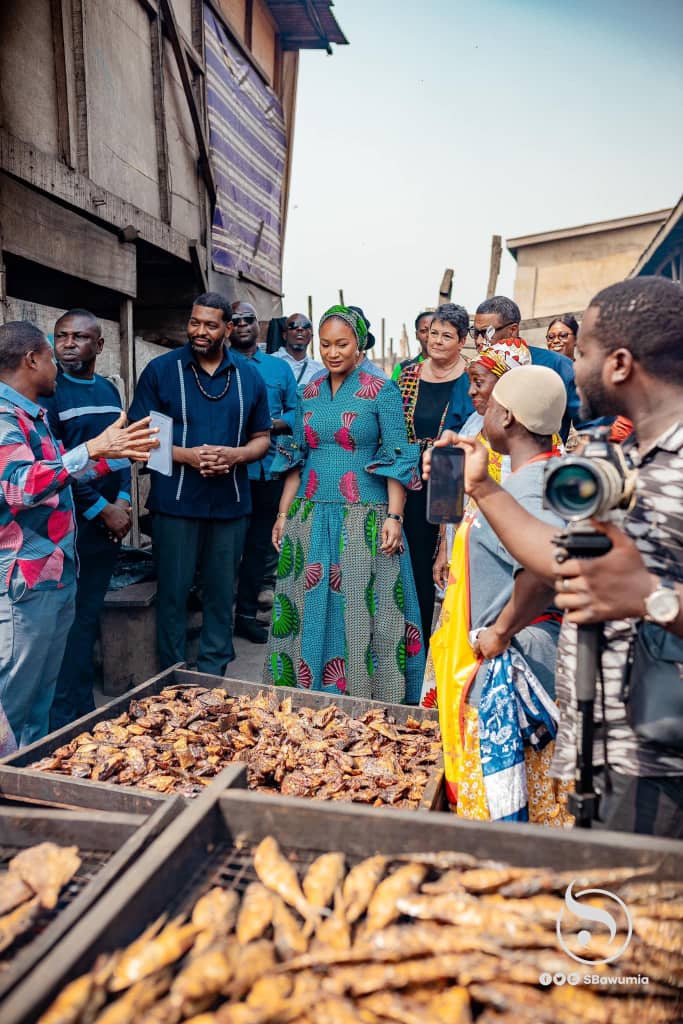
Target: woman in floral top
pixel 345 615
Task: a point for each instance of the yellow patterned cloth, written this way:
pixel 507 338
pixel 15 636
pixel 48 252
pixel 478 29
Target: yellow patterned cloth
pixel 545 808
pixel 451 667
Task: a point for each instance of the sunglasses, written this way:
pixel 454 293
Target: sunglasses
pixel 299 325
pixel 487 332
pixel 245 318
pixel 562 336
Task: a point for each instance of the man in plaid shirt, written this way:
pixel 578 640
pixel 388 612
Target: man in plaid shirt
pixel 37 559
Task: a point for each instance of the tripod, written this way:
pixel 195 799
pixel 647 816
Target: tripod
pixel 580 540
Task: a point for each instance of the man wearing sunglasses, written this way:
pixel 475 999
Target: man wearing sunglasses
pixel 297 335
pixel 497 320
pixel 259 562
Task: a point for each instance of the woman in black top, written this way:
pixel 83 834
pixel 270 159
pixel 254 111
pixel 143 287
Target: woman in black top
pixel 429 390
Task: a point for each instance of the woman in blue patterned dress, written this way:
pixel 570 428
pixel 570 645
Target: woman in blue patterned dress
pixel 345 614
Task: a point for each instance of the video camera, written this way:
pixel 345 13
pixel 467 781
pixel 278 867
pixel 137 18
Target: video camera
pixel 593 484
pixel 581 488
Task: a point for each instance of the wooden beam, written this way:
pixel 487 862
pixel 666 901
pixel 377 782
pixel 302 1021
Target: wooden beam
pixel 249 24
pixel 78 53
pixel 157 54
pixel 38 229
pixel 197 22
pixel 446 288
pixel 128 375
pixel 3 282
pixel 53 177
pixel 58 47
pixel 199 265
pixel 195 54
pixel 494 267
pixel 195 113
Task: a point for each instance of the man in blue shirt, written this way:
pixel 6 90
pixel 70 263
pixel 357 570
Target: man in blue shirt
pixel 257 572
pixel 498 318
pixel 221 422
pixel 83 405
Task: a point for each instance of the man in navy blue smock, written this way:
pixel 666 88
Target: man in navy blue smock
pixel 221 422
pixel 83 405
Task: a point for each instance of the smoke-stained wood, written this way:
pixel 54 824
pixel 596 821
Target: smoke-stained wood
pixel 195 113
pixel 65 150
pixel 78 44
pixel 38 229
pixel 45 173
pixel 157 47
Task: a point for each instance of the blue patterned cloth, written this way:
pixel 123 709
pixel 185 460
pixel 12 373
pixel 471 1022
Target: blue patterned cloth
pixel 514 712
pixel 345 616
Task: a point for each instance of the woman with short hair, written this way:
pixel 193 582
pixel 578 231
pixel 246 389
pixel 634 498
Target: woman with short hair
pixel 431 390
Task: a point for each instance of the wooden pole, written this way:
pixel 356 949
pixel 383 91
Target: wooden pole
pixel 384 343
pixel 392 357
pixel 341 297
pixel 310 317
pixel 127 345
pixel 494 267
pixel 446 289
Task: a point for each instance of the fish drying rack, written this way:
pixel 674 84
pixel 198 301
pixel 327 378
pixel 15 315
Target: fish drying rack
pixel 211 842
pixel 53 788
pixel 107 845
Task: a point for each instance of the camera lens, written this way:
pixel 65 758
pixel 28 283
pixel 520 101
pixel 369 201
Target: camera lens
pixel 574 491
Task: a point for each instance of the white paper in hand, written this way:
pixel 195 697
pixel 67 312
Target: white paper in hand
pixel 161 458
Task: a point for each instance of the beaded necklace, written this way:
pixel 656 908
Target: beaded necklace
pixel 212 398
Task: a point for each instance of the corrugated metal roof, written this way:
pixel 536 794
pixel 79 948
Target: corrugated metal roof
pixel 306 24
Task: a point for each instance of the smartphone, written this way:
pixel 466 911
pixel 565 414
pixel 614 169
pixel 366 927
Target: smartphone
pixel 446 486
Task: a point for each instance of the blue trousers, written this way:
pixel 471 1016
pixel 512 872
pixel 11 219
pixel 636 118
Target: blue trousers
pixel 97 556
pixel 34 625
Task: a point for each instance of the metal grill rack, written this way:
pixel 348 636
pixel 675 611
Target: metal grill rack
pixel 92 861
pixel 63 789
pixel 211 843
pixel 107 845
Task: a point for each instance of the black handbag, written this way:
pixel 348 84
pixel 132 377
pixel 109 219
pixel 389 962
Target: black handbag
pixel 653 686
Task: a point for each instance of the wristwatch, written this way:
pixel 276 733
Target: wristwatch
pixel 663 604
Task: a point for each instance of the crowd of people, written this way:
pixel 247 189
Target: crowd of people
pixel 299 486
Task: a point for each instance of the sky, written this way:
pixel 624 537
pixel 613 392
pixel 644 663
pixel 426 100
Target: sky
pixel 447 121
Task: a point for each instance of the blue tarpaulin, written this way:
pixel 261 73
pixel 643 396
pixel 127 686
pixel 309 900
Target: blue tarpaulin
pixel 248 151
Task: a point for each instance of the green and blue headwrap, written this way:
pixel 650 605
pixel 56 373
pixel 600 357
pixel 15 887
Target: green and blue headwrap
pixel 350 317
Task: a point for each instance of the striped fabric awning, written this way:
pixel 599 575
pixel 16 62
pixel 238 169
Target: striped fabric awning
pixel 248 149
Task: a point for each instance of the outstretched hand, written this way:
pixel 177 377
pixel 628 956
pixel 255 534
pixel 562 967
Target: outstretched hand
pixel 118 441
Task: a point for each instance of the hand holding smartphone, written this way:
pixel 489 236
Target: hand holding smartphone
pixel 446 486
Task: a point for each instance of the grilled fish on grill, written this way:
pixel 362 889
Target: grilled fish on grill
pixel 323 877
pixel 148 955
pixel 13 891
pixel 382 909
pixel 46 868
pixel 430 940
pixel 278 875
pixel 176 741
pixel 255 914
pixel 17 922
pixel 359 885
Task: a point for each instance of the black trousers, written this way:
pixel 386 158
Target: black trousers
pixel 652 805
pixel 97 556
pixel 259 562
pixel 422 537
pixel 183 548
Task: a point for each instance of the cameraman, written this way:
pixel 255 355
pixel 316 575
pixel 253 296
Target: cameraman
pixel 630 362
